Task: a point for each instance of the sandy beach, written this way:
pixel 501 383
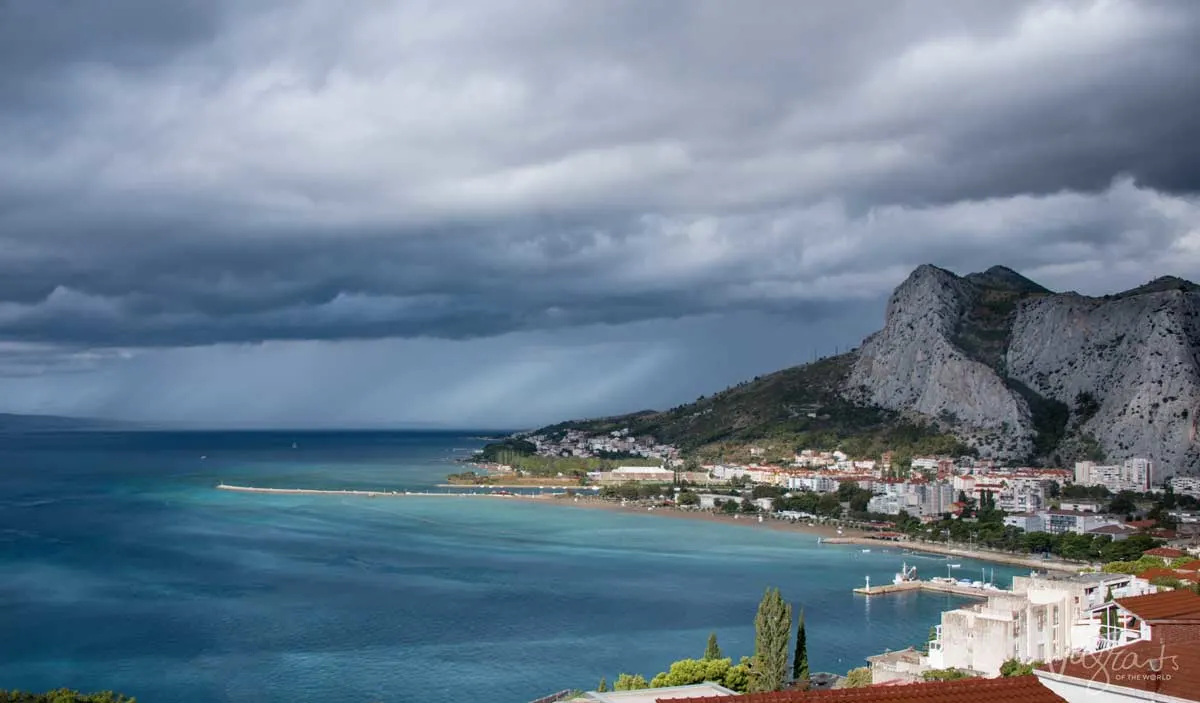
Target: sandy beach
pixel 742 520
pixel 827 532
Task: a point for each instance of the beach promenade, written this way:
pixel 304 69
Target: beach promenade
pixel 980 554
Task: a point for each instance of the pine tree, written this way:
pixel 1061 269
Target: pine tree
pixel 603 687
pixel 772 630
pixel 1110 618
pixel 800 659
pixel 713 650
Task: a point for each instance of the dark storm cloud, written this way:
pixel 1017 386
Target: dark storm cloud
pixel 191 173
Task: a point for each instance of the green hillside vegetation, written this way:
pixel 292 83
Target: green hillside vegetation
pixel 799 407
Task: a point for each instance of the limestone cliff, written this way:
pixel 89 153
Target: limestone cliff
pixel 1018 371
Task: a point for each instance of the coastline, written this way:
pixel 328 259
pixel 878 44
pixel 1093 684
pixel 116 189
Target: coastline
pixel 828 533
pixel 980 555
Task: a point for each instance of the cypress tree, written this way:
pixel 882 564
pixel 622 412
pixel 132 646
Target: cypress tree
pixel 713 650
pixel 603 687
pixel 772 630
pixel 800 659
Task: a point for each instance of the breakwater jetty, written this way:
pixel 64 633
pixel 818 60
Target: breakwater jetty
pixel 929 587
pixel 366 494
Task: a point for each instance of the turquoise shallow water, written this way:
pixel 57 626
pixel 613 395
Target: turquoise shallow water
pixel 124 568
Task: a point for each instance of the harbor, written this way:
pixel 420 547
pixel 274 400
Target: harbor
pixel 906 580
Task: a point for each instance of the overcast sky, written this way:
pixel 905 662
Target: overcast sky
pixel 504 213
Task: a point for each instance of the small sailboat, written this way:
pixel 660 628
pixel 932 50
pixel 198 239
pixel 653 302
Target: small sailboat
pixel 294 446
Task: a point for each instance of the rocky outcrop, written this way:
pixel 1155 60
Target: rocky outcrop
pixel 1017 370
pixel 913 365
pixel 1137 356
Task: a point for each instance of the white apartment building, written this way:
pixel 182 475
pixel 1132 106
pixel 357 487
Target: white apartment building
pixel 981 637
pixel 1042 618
pixel 915 498
pixel 1030 522
pixel 1062 521
pixel 817 483
pixel 1187 485
pixel 1132 475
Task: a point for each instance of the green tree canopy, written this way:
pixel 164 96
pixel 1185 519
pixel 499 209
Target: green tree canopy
pixel 630 682
pixel 713 650
pixel 800 658
pixel 856 678
pixel 772 632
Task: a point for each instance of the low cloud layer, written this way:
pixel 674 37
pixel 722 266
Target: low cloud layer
pixel 196 175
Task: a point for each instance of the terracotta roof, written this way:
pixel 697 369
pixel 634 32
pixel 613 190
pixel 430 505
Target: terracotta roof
pixel 1193 565
pixel 1165 669
pixel 1164 552
pixel 1163 606
pixel 1159 572
pixel 1113 530
pixel 1016 689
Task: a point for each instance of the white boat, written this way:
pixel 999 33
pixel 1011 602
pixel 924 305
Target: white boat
pixel 954 566
pixel 866 551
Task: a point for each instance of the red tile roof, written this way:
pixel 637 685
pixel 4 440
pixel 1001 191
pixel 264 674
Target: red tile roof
pixel 1193 565
pixel 1165 669
pixel 1016 689
pixel 1169 605
pixel 1164 552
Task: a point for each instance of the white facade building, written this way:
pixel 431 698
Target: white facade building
pixel 1132 475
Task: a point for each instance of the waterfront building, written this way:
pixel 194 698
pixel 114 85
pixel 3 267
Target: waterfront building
pixel 1030 522
pixel 981 637
pixel 1043 617
pixel 1062 521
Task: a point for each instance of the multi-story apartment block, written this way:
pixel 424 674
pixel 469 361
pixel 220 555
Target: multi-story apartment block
pixel 1132 475
pixel 1061 521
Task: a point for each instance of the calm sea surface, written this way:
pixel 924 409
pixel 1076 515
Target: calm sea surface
pixel 121 567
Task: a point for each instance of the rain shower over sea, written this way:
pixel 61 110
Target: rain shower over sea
pixel 124 568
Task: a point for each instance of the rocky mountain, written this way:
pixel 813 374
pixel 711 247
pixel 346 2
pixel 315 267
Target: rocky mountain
pixel 989 361
pixel 1016 370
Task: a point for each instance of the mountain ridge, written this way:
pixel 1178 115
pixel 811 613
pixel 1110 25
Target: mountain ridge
pixel 993 361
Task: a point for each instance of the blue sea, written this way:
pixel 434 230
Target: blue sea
pixel 123 568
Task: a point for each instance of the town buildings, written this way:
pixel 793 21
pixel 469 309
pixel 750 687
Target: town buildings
pixel 1132 475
